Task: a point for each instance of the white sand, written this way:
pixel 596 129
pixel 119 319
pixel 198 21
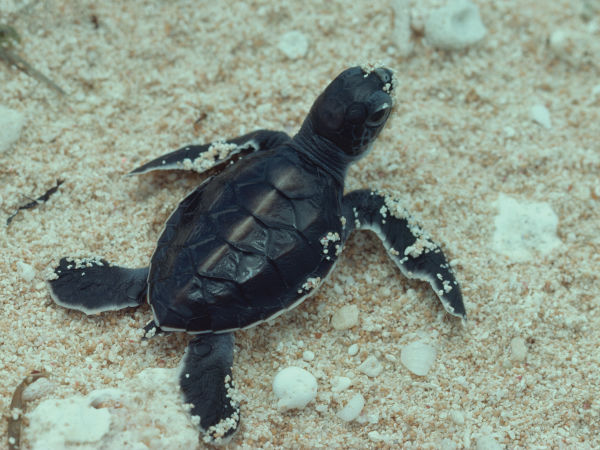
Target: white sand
pixel 461 135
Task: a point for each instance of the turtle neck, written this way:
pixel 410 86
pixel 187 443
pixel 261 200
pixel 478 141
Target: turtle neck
pixel 321 152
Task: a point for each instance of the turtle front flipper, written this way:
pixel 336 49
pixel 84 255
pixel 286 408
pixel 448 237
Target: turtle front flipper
pixel 407 244
pixel 216 155
pixel 93 285
pixel 206 383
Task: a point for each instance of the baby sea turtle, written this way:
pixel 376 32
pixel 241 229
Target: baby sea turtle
pixel 259 237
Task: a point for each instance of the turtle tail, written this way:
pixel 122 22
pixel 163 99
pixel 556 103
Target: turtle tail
pixel 94 285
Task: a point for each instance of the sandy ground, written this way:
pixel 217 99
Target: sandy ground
pixel 150 77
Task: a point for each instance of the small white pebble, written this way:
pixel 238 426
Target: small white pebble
pixel 375 436
pixel 353 350
pixel 509 132
pixel 339 384
pixel 448 444
pixel 455 26
pixel 487 443
pixel 540 114
pixel 38 389
pixel 11 124
pixel 307 355
pixel 322 408
pixel 401 32
pixel 293 44
pixel 457 417
pixel 391 358
pixel 371 367
pixel 344 318
pixel 294 387
pixel 561 44
pixel 518 349
pixel 418 357
pixel 352 409
pixel 574 47
pixel 26 271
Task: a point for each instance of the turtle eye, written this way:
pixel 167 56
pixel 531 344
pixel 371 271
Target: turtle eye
pixel 356 113
pixel 378 116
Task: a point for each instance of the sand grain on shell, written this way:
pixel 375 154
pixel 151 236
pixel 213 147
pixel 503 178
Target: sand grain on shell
pixel 151 78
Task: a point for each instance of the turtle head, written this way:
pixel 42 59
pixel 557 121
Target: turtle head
pixel 353 109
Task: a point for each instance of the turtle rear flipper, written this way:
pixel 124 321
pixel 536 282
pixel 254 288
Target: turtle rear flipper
pixel 93 285
pixel 206 383
pixel 214 156
pixel 408 246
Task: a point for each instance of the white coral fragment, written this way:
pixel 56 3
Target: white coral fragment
pixel 345 318
pixel 524 229
pixel 352 409
pixel 541 115
pixel 418 357
pixel 456 26
pixel 293 44
pixel 11 124
pixel 294 387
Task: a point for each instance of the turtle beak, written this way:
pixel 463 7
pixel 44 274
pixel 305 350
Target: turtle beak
pixel 385 75
pixel 387 78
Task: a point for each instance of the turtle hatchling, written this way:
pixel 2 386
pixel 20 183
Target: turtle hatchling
pixel 258 237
